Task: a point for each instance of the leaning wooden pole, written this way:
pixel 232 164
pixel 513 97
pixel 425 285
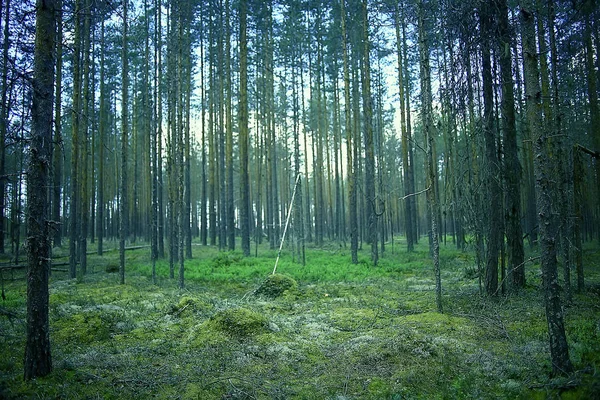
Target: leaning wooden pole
pixel 287 221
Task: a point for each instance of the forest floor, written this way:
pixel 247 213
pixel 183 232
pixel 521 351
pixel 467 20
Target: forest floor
pixel 344 332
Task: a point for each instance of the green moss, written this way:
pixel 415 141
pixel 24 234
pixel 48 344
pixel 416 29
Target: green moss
pixel 239 322
pixel 275 285
pixel 83 328
pixel 350 319
pixel 188 306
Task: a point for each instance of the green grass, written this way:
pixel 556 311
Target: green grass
pixel 343 331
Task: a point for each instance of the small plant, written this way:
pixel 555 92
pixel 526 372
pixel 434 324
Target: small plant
pixel 112 268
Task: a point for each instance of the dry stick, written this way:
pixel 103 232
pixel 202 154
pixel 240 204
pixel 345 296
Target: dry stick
pixel 415 194
pixel 287 221
pixel 530 259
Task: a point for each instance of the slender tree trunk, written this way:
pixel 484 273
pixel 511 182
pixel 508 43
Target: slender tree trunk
pixel 428 127
pixel 102 138
pixel 38 361
pixel 548 223
pixel 4 111
pixel 405 144
pixel 76 109
pixel 154 151
pixel 243 137
pixel 578 174
pixel 369 147
pixel 203 192
pixel 123 211
pixel 592 95
pixel 352 212
pixel 229 135
pixel 512 166
pixel 159 121
pixel 85 129
pixel 492 171
pixel 57 153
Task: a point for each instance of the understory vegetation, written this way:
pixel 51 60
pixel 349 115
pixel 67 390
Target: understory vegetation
pixel 333 331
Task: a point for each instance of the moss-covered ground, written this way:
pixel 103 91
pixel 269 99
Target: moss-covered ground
pixel 338 331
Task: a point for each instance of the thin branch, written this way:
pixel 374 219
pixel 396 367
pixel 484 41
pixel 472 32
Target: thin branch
pixel 415 194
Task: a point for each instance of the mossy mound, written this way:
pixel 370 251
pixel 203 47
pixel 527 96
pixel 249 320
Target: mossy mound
pixel 239 322
pixel 188 306
pixel 84 328
pixel 275 285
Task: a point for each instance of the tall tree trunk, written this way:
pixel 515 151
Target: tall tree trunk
pixel 159 119
pixel 592 93
pixel 243 136
pixel 492 171
pixel 229 135
pixel 352 212
pixel 371 197
pixel 123 210
pixel 4 111
pixel 102 138
pixel 57 153
pixel 154 150
pixel 203 192
pixel 426 99
pixel 74 220
pixel 85 129
pixel 512 166
pixel 410 231
pixel 548 223
pixel 38 361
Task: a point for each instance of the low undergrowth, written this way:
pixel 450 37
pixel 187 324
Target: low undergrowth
pixel 338 331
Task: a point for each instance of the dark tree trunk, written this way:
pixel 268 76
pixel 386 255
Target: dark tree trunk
pixel 369 147
pixel 512 166
pixel 428 127
pixel 243 138
pixel 492 168
pixel 547 219
pixel 38 361
pixel 123 210
pixel 4 108
pixel 57 154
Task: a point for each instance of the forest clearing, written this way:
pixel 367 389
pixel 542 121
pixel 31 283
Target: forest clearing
pixel 428 171
pixel 344 331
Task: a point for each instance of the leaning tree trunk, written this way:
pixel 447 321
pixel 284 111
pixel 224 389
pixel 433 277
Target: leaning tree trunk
pixel 38 361
pixel 547 219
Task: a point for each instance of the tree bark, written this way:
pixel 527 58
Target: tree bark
pixel 492 170
pixel 38 361
pixel 123 210
pixel 57 154
pixel 512 166
pixel 547 220
pixel 371 197
pixel 243 137
pixel 4 111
